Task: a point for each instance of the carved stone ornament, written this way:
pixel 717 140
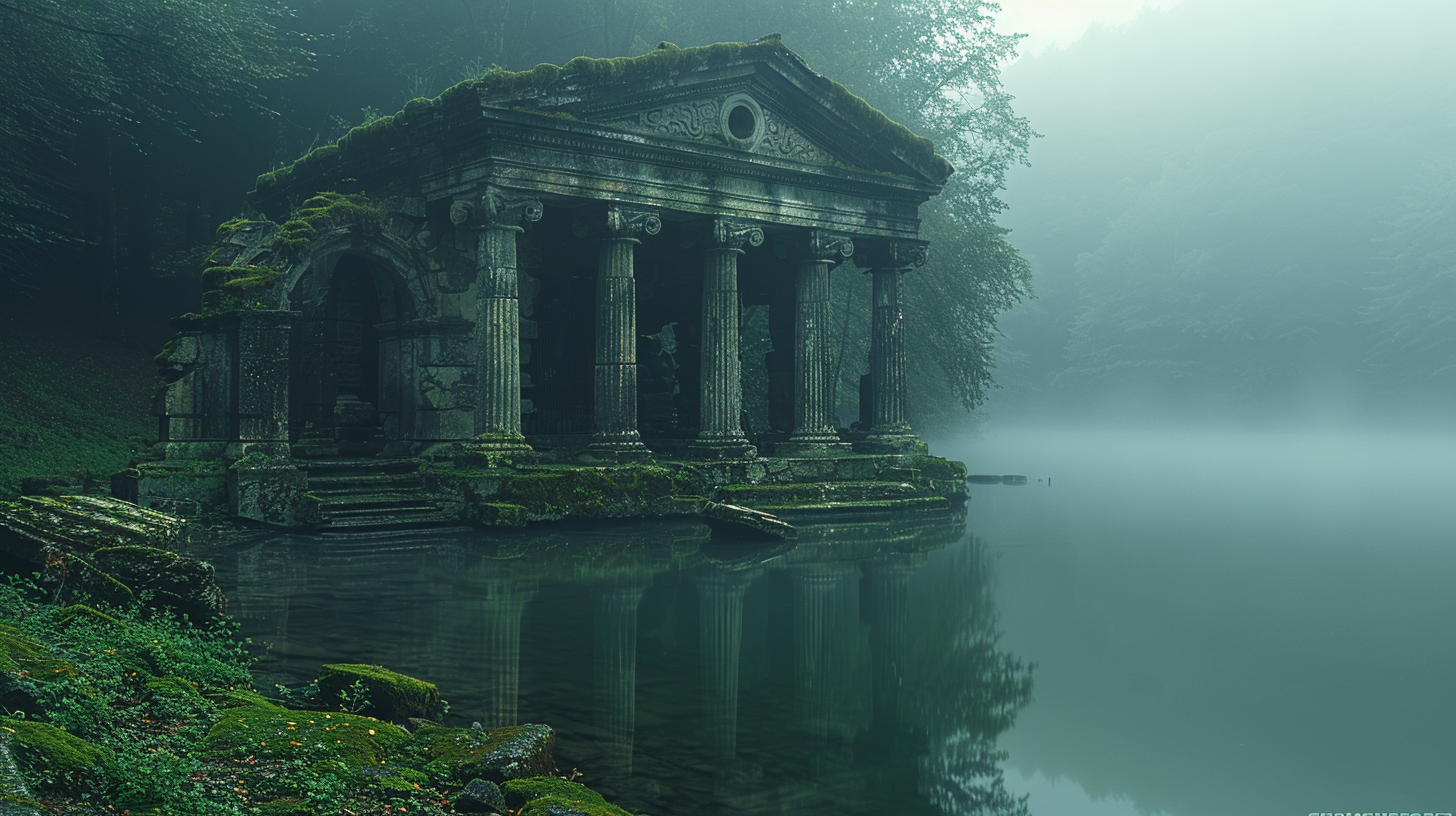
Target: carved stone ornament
pixel 828 246
pixel 509 208
pixel 697 120
pixel 461 212
pixel 628 223
pixel 896 254
pixel 734 234
pixel 783 140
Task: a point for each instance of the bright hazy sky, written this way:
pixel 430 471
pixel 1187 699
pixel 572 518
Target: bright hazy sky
pixel 1059 23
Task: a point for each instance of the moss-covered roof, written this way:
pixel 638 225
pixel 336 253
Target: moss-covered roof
pixel 554 89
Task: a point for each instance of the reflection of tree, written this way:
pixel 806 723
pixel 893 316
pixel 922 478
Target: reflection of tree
pixel 968 690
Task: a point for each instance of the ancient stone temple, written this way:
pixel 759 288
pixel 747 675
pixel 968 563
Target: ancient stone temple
pixel 553 265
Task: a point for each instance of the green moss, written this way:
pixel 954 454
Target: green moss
pixel 391 695
pixel 322 210
pixel 273 732
pixel 539 795
pixel 458 755
pixel 175 687
pixel 46 749
pixel 535 91
pixel 69 615
pixel 26 657
pixel 935 467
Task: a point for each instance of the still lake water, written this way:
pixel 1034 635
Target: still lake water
pixel 1220 624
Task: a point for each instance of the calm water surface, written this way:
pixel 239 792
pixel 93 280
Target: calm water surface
pixel 1220 624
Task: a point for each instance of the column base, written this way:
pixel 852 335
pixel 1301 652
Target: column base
pixel 498 443
pixel 719 448
pixel 894 439
pixel 618 447
pixel 813 445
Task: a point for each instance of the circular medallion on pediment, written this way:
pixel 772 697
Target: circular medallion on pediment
pixel 742 121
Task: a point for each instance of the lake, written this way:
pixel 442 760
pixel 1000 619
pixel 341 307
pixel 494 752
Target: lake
pixel 1219 623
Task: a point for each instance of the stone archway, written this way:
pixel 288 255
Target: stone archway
pixel 348 369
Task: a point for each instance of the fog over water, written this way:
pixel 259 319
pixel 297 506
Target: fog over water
pixel 1226 622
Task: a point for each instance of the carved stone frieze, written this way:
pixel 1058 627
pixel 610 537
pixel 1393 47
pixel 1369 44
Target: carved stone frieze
pixel 696 119
pixel 783 140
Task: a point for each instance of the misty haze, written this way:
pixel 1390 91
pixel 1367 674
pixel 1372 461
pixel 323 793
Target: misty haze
pixel 582 407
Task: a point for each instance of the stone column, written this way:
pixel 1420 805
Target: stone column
pixel 499 215
pixel 614 411
pixel 814 426
pixel 614 652
pixel 889 427
pixel 720 434
pixel 720 630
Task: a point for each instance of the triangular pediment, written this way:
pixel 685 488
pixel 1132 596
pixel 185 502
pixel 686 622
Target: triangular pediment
pixel 710 120
pixel 783 109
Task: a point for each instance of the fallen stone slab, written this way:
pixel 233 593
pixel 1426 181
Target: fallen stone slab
pixel 733 521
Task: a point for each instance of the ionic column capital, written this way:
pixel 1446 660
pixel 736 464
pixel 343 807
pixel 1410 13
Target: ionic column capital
pixel 629 223
pixel 825 246
pixel 902 254
pixel 729 234
pixel 496 208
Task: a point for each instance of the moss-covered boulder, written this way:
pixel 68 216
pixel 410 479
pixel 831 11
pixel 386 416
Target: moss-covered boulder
pixel 178 582
pixel 458 755
pixel 274 732
pixel 52 756
pixel 553 796
pixel 392 696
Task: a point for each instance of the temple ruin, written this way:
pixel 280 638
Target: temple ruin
pixel 551 266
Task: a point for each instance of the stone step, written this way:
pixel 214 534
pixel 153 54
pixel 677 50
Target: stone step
pixel 363 505
pixel 393 519
pixel 361 466
pixel 364 483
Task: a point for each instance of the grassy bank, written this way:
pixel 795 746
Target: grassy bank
pixel 70 405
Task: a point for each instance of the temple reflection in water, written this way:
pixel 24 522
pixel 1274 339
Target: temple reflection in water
pixel 835 674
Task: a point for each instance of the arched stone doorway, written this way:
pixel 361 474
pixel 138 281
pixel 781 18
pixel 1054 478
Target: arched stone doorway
pixel 347 367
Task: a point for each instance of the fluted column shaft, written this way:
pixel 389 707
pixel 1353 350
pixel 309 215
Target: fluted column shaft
pixel 720 432
pixel 814 433
pixel 887 354
pixel 498 410
pixel 812 389
pixel 614 410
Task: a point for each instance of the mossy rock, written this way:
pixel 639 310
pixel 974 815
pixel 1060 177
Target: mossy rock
pixel 392 696
pixel 550 795
pixel 25 657
pixel 50 754
pixel 174 687
pixel 458 755
pixel 82 582
pixel 187 585
pixel 274 732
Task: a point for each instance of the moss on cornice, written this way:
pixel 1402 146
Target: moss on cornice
pixel 553 89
